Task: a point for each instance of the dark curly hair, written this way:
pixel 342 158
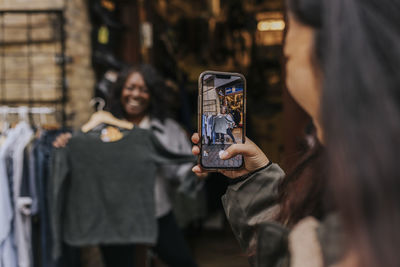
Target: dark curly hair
pixel 160 98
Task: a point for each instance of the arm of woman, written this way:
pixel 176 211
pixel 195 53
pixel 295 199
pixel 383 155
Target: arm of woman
pixel 176 139
pixel 251 205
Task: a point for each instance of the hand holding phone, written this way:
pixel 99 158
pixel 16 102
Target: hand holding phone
pixel 254 158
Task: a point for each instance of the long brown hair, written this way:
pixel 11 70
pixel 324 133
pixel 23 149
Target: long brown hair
pixel 303 191
pixel 361 116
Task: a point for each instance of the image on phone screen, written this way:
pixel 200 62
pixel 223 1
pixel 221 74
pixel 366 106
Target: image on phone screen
pixel 222 118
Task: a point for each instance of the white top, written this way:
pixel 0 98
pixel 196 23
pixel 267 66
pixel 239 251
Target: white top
pixel 15 144
pixel 8 254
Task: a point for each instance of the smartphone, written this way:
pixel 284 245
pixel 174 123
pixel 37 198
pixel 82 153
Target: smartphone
pixel 222 118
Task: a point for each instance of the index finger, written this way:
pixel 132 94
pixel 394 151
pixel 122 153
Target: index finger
pixel 200 172
pixel 195 138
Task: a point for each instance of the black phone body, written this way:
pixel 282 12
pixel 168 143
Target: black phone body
pixel 222 118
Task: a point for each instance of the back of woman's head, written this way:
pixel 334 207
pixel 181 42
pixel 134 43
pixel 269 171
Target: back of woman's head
pixel 160 97
pixel 358 52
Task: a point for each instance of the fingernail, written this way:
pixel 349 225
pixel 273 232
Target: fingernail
pixel 224 155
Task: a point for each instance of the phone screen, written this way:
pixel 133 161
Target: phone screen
pixel 222 117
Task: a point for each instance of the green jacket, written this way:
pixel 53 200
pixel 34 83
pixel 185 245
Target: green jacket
pixel 251 206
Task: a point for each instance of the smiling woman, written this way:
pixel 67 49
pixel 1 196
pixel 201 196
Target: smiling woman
pixel 139 92
pixel 135 97
pixel 141 97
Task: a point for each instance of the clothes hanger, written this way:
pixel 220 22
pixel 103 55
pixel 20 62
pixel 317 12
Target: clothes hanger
pixel 23 114
pixel 4 125
pixel 104 117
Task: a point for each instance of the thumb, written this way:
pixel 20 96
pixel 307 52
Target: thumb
pixel 236 149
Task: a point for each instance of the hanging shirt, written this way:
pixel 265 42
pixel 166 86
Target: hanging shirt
pixel 28 183
pixel 204 125
pixel 8 255
pixel 210 124
pixel 103 193
pixel 14 147
pixel 42 151
pixel 22 204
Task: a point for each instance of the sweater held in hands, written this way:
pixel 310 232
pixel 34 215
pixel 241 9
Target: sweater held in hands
pixel 103 193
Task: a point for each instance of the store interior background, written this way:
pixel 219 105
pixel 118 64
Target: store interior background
pixel 62 53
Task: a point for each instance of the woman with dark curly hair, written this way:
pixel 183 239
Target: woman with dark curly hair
pixel 151 99
pixel 141 97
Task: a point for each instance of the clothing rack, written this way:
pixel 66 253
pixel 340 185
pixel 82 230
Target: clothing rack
pixel 26 110
pixel 23 112
pixel 25 152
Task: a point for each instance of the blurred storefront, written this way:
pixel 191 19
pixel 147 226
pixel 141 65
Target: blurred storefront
pixel 53 53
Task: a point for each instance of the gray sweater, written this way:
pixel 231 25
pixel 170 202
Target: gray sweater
pixel 103 193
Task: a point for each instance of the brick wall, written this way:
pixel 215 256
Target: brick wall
pixel 80 74
pixel 30 4
pixel 42 67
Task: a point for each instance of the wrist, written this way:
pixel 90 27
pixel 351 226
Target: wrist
pixel 246 176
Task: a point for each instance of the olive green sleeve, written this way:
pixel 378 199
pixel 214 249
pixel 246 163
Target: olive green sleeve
pixel 251 207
